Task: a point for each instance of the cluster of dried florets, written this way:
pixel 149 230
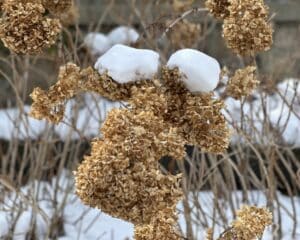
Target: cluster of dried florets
pixel 24 28
pixel 218 8
pixel 242 83
pixel 246 29
pixel 122 175
pixel 250 224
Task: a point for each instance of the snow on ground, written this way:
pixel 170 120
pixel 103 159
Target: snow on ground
pixel 126 64
pixel 78 121
pixel 82 222
pixel 99 43
pixel 200 72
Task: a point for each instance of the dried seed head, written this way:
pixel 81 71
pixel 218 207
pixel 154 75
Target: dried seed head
pixel 162 226
pixel 51 105
pixel 122 176
pixel 57 7
pixel 197 116
pixel 246 30
pixel 24 29
pixel 218 8
pixel 251 222
pixel 242 83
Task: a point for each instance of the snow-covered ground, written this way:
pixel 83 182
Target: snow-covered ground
pixel 82 118
pixel 40 199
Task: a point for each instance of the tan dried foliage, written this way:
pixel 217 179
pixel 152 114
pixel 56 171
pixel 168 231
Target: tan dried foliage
pixel 24 29
pixel 247 30
pixel 250 224
pixel 218 8
pixel 242 83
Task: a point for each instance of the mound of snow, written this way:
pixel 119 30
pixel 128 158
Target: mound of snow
pixel 201 73
pixel 123 35
pixel 126 64
pixel 98 43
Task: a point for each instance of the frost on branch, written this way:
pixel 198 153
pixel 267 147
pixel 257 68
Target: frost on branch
pixel 200 72
pixel 126 64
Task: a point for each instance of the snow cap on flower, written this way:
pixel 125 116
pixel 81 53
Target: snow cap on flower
pixel 126 64
pixel 200 72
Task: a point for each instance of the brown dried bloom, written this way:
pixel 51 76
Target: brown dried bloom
pixel 122 176
pixel 242 83
pixel 247 30
pixel 162 227
pixel 50 104
pixel 197 116
pixel 24 29
pixel 57 7
pixel 184 34
pixel 218 8
pixel 250 224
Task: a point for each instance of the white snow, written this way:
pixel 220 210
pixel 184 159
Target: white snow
pixel 82 222
pixel 126 64
pixel 79 121
pixel 97 43
pixel 123 35
pixel 201 73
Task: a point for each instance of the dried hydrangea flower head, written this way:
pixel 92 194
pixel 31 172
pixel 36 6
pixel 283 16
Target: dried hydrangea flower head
pixel 242 83
pixel 218 8
pixel 24 29
pixel 161 227
pixel 250 224
pixel 57 7
pixel 122 174
pixel 247 30
pixel 198 116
